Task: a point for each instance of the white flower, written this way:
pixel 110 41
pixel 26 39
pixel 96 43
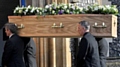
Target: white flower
pixel 20 11
pixel 24 13
pixel 81 8
pixel 29 6
pixel 104 8
pixel 108 6
pixel 77 12
pixel 37 11
pixel 50 9
pixel 14 11
pixel 96 8
pixel 73 7
pixel 33 9
pixel 65 7
pixel 53 12
pixel 115 9
pixel 58 7
pixel 26 10
pixel 68 11
pixel 40 8
pixel 50 5
pixel 17 8
pixel 101 7
pixel 40 13
pixel 47 6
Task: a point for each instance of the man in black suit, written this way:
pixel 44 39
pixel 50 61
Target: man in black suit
pixel 88 55
pixel 13 49
pixel 103 49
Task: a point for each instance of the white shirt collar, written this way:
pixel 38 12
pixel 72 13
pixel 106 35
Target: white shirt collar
pixel 10 36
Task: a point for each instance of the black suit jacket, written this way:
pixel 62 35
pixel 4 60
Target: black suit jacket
pixel 13 52
pixel 88 55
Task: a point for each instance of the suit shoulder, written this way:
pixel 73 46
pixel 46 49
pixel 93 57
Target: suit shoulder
pixel 89 36
pixel 16 38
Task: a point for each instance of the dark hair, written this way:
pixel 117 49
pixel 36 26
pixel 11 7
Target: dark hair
pixel 85 24
pixel 12 27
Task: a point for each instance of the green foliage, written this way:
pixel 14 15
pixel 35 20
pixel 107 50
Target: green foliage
pixel 59 9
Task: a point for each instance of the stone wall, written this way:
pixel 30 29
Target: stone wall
pixel 113 62
pixel 115 45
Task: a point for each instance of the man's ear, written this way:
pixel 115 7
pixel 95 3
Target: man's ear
pixel 84 29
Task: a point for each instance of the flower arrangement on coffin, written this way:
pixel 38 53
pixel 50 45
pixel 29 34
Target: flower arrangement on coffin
pixel 58 9
pixel 101 9
pixel 28 10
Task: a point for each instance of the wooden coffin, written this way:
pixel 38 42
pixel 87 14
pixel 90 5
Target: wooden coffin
pixel 65 25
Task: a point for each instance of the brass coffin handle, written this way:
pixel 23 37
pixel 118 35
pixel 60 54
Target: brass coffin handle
pixel 55 26
pixel 21 26
pixel 99 26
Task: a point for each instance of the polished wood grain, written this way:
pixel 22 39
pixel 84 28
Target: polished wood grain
pixel 53 52
pixel 42 25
